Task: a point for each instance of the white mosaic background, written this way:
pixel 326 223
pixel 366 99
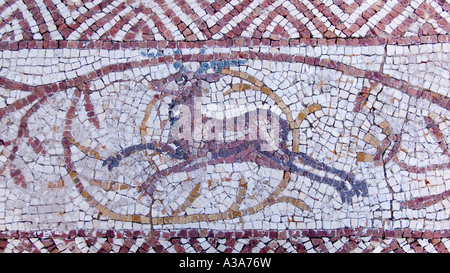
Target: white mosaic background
pixel 333 135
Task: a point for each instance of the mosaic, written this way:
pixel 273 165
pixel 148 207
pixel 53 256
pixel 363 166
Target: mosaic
pixel 224 126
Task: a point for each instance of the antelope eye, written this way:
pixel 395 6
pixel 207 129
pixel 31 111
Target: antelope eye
pixel 182 80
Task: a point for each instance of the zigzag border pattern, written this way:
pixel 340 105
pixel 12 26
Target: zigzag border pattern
pixel 111 24
pixel 200 20
pixel 245 241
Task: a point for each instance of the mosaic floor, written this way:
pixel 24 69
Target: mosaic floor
pixel 224 126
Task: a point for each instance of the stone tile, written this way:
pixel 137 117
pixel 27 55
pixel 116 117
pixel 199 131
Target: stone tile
pixel 143 126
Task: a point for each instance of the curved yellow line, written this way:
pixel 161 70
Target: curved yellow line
pixel 229 214
pixel 301 116
pixel 86 150
pixel 143 127
pixel 267 91
pixel 293 124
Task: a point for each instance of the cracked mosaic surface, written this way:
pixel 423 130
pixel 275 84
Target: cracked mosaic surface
pixel 224 126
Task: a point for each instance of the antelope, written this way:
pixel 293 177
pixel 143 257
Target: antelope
pixel 217 148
